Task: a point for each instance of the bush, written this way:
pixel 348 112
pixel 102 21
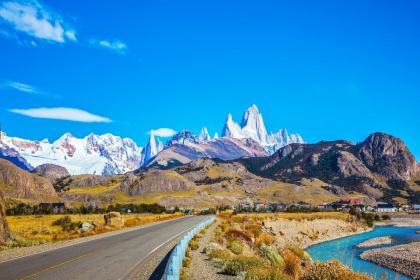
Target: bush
pixel 238 234
pixel 219 254
pixel 239 265
pixel 186 262
pixel 194 245
pixel 66 223
pixel 272 255
pixel 386 217
pixel 265 238
pixel 273 273
pixel 62 221
pixel 292 264
pixel 236 246
pixel 302 254
pixel 332 270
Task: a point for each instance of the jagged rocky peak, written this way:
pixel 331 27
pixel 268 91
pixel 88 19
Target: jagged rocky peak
pixel 388 156
pixel 204 135
pixel 152 148
pixel 252 127
pixel 253 124
pixel 184 137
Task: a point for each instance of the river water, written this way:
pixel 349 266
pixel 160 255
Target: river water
pixel 343 250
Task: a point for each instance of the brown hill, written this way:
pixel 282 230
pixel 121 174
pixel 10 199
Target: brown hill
pixel 51 171
pixel 381 166
pixel 18 184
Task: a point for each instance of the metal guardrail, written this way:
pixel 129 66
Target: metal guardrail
pixel 173 268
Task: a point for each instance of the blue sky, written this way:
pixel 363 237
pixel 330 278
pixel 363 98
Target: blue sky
pixel 325 69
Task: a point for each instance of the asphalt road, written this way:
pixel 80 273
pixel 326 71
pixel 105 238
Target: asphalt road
pixel 113 257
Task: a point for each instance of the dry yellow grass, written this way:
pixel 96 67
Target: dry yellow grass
pixel 39 227
pixel 295 216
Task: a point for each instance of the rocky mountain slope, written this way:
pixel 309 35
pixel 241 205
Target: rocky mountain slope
pixel 18 184
pixel 13 156
pixel 223 148
pixel 381 166
pixel 51 171
pixel 4 228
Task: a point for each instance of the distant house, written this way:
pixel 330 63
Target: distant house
pixel 56 207
pixel 415 208
pixel 276 207
pixel 259 207
pixel 386 207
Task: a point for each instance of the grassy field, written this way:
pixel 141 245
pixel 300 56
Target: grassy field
pixel 38 229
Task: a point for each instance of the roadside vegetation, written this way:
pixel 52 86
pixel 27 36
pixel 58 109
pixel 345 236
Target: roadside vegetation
pixel 243 246
pixel 30 230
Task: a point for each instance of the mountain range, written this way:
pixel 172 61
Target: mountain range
pixel 110 155
pixel 381 168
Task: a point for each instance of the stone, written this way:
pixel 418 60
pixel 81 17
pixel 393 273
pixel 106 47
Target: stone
pixel 114 219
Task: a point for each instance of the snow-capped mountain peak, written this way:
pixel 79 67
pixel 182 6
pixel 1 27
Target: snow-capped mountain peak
pixel 204 135
pixel 253 127
pixel 106 154
pixel 151 149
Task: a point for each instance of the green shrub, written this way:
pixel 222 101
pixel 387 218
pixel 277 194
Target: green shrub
pixel 66 223
pixel 332 270
pixel 272 273
pixel 272 255
pixel 292 264
pixel 219 254
pixel 186 262
pixel 236 246
pixel 194 245
pixel 385 217
pixel 62 221
pixel 240 264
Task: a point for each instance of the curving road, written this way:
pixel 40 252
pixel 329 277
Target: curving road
pixel 111 257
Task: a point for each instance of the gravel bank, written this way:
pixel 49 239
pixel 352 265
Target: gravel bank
pixel 375 242
pixel 201 268
pixel 402 258
pixel 400 220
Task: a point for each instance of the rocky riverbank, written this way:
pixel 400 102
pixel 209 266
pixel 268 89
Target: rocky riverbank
pixel 384 240
pixel 402 258
pixel 401 220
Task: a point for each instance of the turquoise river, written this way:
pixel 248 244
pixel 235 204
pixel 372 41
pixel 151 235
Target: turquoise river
pixel 344 250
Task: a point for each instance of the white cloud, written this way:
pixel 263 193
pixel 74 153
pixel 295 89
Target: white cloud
pixel 36 20
pixel 22 87
pixel 164 132
pixel 68 114
pixel 116 45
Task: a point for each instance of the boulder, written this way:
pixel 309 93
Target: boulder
pixel 114 219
